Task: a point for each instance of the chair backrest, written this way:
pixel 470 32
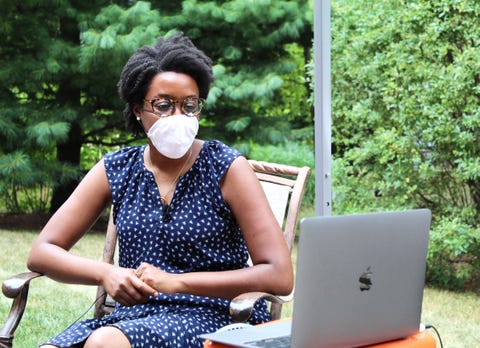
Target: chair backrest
pixel 284 187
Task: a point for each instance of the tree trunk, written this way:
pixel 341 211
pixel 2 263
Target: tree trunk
pixel 67 152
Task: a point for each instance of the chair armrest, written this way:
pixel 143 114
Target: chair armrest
pixel 15 287
pixel 241 307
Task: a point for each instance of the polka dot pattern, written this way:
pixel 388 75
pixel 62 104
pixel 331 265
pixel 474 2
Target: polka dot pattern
pixel 197 232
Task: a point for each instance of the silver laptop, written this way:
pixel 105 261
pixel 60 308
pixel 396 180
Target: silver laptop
pixel 359 281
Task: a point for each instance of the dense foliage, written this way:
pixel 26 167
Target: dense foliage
pixel 60 61
pixel 406 115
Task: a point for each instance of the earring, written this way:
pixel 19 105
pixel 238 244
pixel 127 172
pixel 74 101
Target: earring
pixel 138 118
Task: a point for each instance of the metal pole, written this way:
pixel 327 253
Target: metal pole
pixel 323 179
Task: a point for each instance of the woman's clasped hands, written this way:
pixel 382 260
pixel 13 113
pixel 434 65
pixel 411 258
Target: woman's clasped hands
pixel 158 279
pixel 130 286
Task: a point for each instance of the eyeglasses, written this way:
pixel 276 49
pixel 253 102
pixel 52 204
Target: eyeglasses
pixel 164 106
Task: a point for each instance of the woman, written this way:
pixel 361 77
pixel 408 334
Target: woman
pixel 187 213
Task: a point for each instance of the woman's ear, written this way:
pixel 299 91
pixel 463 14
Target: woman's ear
pixel 137 111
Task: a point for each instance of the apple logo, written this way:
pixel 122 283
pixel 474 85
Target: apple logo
pixel 366 280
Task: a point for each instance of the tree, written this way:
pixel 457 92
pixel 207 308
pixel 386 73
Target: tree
pixel 248 41
pixel 50 100
pixel 60 61
pixel 406 115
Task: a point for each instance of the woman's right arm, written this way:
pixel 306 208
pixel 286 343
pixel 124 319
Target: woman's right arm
pixel 50 253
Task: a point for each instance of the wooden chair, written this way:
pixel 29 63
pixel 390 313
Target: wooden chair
pixel 284 186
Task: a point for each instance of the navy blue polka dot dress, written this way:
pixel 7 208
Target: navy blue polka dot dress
pixel 196 233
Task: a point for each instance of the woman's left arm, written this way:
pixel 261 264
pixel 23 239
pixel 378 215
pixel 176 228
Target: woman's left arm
pixel 272 269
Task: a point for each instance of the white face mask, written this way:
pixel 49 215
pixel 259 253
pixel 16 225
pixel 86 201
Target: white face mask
pixel 172 136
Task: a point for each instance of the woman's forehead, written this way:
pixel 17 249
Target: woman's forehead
pixel 173 84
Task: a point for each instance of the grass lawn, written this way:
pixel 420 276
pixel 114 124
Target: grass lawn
pixel 53 306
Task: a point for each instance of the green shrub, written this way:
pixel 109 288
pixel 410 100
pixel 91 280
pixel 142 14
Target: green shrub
pixel 454 255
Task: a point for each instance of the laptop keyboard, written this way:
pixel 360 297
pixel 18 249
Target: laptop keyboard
pixel 274 342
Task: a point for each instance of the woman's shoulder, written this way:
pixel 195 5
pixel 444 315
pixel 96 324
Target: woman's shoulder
pixel 123 156
pixel 220 151
pixel 126 152
pixel 216 157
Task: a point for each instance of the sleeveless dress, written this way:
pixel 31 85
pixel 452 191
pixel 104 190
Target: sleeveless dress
pixel 196 232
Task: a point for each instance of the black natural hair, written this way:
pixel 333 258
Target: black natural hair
pixel 177 54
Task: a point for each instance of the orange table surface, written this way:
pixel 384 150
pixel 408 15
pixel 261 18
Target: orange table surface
pixel 419 340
